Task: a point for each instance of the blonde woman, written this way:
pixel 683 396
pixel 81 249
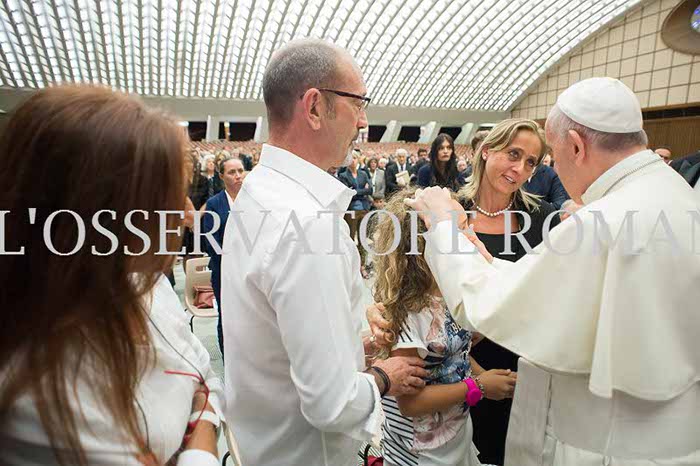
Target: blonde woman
pixel 432 427
pixel 506 158
pixel 502 163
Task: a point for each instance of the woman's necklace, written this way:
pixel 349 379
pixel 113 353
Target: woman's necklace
pixel 497 213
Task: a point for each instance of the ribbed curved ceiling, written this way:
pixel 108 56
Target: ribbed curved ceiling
pixel 464 54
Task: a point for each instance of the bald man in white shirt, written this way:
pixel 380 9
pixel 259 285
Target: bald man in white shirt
pixel 298 392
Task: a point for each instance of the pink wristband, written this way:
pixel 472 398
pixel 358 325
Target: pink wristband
pixel 473 395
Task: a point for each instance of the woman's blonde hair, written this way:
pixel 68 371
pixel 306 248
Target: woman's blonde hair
pixel 404 282
pixel 500 137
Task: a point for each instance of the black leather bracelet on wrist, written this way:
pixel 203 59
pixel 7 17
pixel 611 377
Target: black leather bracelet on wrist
pixel 385 379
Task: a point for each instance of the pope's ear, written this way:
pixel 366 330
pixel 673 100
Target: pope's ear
pixel 577 141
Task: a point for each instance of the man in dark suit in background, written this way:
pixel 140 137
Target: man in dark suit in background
pixel 688 167
pixel 665 153
pixel 422 160
pixel 545 182
pixel 232 172
pixel 401 164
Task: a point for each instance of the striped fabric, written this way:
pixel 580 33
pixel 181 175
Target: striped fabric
pixel 398 435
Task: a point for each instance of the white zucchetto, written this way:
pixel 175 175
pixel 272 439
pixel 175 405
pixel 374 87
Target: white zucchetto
pixel 602 104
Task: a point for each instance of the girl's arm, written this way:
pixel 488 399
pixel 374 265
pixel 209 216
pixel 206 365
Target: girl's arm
pixel 498 384
pixel 432 398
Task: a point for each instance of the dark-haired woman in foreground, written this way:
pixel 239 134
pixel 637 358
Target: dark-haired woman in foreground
pixel 97 365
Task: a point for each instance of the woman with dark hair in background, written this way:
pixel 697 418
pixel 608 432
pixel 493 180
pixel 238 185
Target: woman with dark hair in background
pixel 442 170
pixel 97 363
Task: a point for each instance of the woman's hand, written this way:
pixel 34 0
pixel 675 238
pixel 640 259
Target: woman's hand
pixel 147 459
pixel 498 383
pixel 199 400
pixel 203 436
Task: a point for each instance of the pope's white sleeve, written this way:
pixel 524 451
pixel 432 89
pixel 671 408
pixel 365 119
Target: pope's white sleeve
pixel 459 269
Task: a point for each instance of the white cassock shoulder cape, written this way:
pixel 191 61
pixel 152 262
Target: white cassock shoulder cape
pixel 623 314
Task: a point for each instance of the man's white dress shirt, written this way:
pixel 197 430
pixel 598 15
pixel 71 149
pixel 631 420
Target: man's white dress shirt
pixel 607 331
pixel 293 293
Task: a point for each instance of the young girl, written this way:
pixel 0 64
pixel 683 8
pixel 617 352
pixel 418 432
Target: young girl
pixel 432 427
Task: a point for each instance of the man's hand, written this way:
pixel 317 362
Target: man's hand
pixel 379 325
pixel 498 383
pixel 405 373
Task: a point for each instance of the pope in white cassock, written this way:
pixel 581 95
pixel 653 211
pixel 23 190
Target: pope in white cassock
pixel 604 313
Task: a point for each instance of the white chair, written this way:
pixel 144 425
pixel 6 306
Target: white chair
pixel 232 447
pixel 197 274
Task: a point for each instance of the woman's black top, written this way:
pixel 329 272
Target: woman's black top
pixel 490 418
pixel 426 178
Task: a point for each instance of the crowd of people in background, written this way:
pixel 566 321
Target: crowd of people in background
pixel 374 169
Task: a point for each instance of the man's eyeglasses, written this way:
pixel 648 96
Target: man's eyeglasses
pixel 365 100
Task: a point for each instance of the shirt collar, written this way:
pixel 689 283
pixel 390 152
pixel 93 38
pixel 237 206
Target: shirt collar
pixel 229 199
pixel 323 187
pixel 617 173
